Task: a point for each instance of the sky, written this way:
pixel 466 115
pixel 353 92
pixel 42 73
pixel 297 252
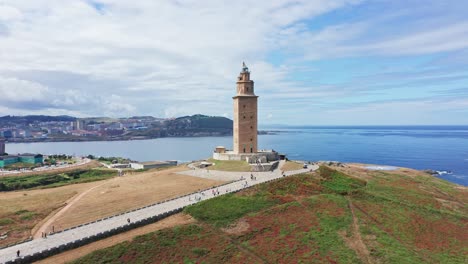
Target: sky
pixel 314 62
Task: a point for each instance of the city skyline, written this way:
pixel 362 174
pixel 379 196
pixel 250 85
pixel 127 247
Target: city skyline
pixel 315 62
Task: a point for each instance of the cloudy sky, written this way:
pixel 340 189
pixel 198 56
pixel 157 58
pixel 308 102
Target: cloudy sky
pixel 323 62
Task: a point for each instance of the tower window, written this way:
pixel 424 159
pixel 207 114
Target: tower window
pixel 247 89
pixel 244 106
pixel 251 139
pixel 251 127
pixel 244 117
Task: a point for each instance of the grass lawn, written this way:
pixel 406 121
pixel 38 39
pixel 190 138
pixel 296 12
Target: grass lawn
pixel 223 210
pixel 22 165
pixel 229 165
pixel 14 183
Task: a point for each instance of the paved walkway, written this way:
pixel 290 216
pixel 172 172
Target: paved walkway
pixel 81 232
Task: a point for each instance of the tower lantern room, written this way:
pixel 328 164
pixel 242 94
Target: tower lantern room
pixel 245 86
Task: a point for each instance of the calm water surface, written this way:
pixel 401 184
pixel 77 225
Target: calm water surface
pixel 437 148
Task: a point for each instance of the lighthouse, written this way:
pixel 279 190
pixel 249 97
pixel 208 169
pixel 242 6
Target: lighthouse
pixel 245 114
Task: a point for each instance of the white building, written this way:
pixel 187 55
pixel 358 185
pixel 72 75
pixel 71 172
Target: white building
pixel 153 164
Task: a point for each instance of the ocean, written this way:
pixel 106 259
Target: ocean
pixel 440 148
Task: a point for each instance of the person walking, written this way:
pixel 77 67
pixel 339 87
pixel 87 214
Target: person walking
pixel 17 253
pixel 128 220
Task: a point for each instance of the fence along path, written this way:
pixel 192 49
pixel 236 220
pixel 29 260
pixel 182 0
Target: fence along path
pixel 80 235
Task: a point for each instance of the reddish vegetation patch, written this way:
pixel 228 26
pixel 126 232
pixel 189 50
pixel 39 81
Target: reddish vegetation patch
pixel 407 190
pixel 190 242
pixel 282 199
pixel 280 235
pixel 438 235
pixel 274 234
pixel 328 207
pixel 418 229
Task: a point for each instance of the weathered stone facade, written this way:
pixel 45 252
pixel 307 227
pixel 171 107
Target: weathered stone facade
pixel 245 115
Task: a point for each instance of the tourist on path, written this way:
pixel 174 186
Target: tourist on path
pixel 17 253
pixel 128 220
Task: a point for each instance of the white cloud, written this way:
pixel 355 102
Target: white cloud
pixel 9 13
pixel 15 90
pixel 164 51
pixel 357 40
pixel 170 58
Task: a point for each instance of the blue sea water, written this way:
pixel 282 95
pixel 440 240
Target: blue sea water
pixel 441 148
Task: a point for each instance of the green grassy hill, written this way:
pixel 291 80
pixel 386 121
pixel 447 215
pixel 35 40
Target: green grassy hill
pixel 324 217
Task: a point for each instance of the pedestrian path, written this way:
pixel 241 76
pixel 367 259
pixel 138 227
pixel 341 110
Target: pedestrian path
pixel 61 241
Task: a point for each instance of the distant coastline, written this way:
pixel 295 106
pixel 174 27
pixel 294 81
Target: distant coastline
pixel 90 139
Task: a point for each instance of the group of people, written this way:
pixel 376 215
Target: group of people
pixel 197 198
pixel 215 192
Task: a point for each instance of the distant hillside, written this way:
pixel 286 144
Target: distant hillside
pixel 35 118
pixel 107 128
pixel 195 121
pixel 200 122
pixel 340 214
pixel 188 126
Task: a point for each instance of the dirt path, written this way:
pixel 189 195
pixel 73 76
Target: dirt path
pixel 355 242
pixel 45 227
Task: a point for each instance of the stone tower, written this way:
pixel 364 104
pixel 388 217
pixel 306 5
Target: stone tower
pixel 245 114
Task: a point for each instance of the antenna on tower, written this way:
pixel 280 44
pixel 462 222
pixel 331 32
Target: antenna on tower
pixel 244 67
